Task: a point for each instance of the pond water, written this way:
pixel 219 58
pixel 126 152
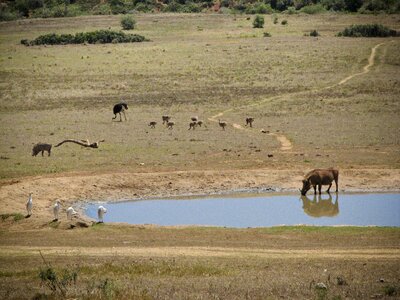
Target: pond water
pixel 258 210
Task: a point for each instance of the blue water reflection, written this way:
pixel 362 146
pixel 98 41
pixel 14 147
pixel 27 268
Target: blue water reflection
pixel 259 211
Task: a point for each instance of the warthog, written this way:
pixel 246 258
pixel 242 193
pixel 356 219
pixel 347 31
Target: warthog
pixel 320 177
pixel 41 147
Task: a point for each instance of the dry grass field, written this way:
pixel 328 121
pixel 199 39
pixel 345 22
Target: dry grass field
pixel 321 102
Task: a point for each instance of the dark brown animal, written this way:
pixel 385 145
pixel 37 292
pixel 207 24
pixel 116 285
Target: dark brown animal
pixel 222 124
pixel 41 147
pixel 165 119
pixel 118 109
pixel 170 124
pixel 249 121
pixel 152 124
pixel 320 177
pixel 192 125
pixel 200 123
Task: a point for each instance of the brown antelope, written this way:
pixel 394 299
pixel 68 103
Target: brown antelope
pixel 165 119
pixel 249 121
pixel 222 124
pixel 170 124
pixel 192 125
pixel 152 124
pixel 319 177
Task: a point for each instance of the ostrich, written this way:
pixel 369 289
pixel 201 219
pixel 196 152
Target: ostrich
pixel 70 212
pixel 56 210
pixel 118 109
pixel 100 213
pixel 29 205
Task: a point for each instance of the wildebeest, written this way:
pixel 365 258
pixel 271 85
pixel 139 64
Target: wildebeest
pixel 118 109
pixel 152 124
pixel 170 124
pixel 320 177
pixel 192 125
pixel 41 147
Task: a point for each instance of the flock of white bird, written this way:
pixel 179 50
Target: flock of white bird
pixel 101 210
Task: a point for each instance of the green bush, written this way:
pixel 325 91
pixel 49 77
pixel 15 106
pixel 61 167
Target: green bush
pixel 259 8
pixel 314 33
pixel 291 10
pixel 258 22
pixel 284 22
pixel 128 22
pixel 94 37
pixel 267 34
pixel 313 9
pixel 368 30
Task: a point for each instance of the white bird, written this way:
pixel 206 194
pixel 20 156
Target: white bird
pixel 29 205
pixel 56 209
pixel 100 213
pixel 70 212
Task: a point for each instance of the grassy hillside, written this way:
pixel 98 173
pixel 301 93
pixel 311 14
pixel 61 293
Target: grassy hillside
pixel 200 65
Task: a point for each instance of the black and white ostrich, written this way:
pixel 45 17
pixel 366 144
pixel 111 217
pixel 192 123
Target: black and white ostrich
pixel 118 109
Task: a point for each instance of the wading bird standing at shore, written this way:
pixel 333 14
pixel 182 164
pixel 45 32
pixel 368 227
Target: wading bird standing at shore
pixel 100 213
pixel 70 212
pixel 56 210
pixel 29 205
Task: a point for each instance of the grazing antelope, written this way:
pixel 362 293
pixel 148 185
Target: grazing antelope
pixel 194 119
pixel 192 125
pixel 249 121
pixel 41 147
pixel 165 119
pixel 222 124
pixel 152 124
pixel 170 125
pixel 118 109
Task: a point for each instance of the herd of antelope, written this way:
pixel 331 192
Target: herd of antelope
pixel 166 120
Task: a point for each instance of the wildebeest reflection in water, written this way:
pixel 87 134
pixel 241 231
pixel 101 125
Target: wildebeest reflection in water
pixel 318 207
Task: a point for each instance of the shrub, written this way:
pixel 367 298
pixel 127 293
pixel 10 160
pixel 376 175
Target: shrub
pixel 368 30
pixel 258 22
pixel 259 8
pixel 291 10
pixel 284 22
pixel 93 37
pixel 313 9
pixel 275 19
pixel 128 22
pixel 267 34
pixel 314 33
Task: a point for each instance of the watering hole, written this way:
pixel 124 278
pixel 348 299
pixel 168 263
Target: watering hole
pixel 257 210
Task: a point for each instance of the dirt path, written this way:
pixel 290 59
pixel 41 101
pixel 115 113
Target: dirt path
pixel 375 253
pixel 282 139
